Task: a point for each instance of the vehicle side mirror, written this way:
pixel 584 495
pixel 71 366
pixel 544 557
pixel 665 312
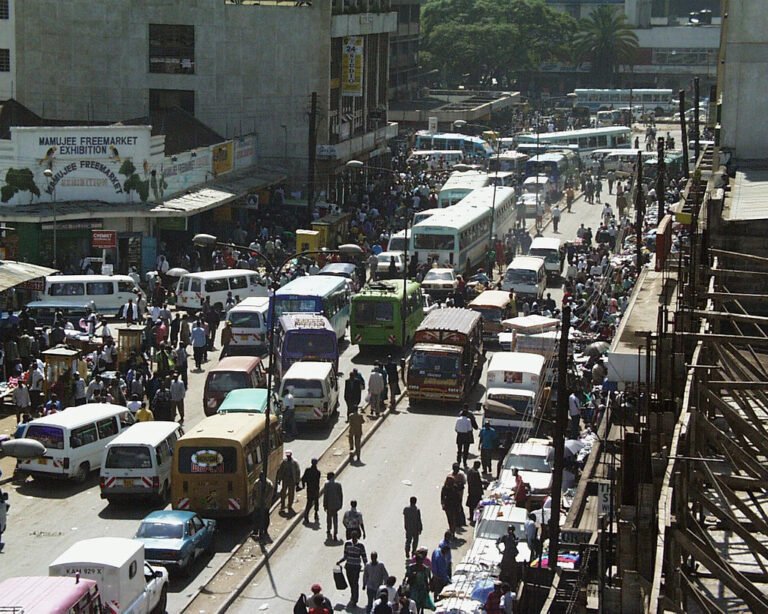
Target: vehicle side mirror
pixel 158 573
pixel 339 375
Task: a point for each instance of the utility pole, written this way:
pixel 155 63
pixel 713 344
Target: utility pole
pixel 558 441
pixel 661 169
pixel 684 134
pixel 639 210
pixel 696 127
pixel 312 157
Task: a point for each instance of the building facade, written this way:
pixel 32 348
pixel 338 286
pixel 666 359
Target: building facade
pixel 239 67
pixel 404 70
pixel 7 49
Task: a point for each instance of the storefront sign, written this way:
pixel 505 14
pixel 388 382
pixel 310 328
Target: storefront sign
pixel 327 152
pixel 223 158
pixel 83 225
pixel 105 163
pixel 104 239
pixel 352 66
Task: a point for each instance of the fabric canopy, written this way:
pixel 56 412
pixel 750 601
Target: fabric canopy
pixel 14 273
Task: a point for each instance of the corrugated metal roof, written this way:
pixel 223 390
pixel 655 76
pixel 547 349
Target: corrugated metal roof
pixel 14 273
pixel 451 318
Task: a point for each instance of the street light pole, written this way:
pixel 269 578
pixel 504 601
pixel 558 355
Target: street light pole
pixel 460 123
pixel 52 186
pixel 275 271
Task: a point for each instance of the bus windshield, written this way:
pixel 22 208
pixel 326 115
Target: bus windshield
pixel 296 305
pixel 439 365
pixel 373 312
pixel 303 343
pixel 433 241
pixel 207 459
pixel 521 276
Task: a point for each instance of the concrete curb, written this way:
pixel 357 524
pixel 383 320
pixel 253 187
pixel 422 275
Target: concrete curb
pixel 243 583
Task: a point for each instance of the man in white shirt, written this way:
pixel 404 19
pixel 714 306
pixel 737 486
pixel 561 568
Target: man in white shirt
pixel 574 411
pixel 465 424
pixel 35 383
pixel 134 404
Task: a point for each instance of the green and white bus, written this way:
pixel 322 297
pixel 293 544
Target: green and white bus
pixel 377 313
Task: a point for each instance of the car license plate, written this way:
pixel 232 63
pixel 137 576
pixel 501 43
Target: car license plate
pixel 42 461
pixel 128 483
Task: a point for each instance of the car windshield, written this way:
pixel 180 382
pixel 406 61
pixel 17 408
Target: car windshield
pixel 304 388
pixel 518 403
pixel 550 255
pixel 244 319
pixel 373 312
pixel 491 528
pixel 225 381
pixel 438 276
pixel 435 364
pixel 160 530
pixel 527 463
pixel 489 314
pixel 521 276
pixel 128 457
pixel 52 437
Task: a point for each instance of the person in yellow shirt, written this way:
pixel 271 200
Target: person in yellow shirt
pixel 144 414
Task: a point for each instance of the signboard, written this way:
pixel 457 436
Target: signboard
pixel 36 285
pixel 575 536
pixel 104 163
pixel 352 66
pixel 327 152
pixel 603 497
pixel 223 158
pixel 104 239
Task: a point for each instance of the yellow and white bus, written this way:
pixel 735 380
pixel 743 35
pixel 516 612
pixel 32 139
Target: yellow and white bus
pixel 217 464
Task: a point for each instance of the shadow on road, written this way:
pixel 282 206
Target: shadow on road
pixel 50 488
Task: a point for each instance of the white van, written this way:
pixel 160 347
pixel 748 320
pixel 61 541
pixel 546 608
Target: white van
pixel 315 390
pixel 397 242
pixel 526 276
pixel 127 583
pixel 107 292
pixel 512 386
pixel 137 463
pixel 548 248
pixel 75 440
pixel 249 326
pixel 194 288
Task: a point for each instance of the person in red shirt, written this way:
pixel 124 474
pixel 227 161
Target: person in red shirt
pixel 493 601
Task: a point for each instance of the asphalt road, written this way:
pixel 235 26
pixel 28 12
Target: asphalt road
pixel 409 455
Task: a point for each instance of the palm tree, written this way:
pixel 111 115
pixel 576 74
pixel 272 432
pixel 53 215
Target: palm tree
pixel 606 40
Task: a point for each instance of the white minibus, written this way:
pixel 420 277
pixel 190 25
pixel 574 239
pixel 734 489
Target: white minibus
pixel 526 277
pixel 315 390
pixel 548 248
pixel 75 440
pixel 249 326
pixel 107 292
pixel 137 463
pixel 194 288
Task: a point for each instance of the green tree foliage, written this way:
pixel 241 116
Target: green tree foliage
pixel 18 180
pixel 606 40
pixel 476 41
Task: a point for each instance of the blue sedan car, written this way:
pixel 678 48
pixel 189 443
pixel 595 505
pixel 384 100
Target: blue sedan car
pixel 176 538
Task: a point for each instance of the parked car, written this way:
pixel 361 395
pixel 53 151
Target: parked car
pixel 176 538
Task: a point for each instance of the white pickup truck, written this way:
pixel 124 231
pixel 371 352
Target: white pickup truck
pixel 127 583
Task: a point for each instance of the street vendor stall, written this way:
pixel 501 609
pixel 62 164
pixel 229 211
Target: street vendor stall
pixel 128 341
pixel 61 362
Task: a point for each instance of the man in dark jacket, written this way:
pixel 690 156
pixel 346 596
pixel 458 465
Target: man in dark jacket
pixel 474 490
pixel 353 390
pixel 311 482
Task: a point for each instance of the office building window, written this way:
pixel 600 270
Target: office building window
pixel 171 49
pixel 162 100
pixel 5 60
pixel 5 10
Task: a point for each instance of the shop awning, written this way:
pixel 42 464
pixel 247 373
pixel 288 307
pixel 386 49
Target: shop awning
pixel 13 273
pixel 218 191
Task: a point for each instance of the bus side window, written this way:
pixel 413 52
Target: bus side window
pixel 195 286
pixel 250 464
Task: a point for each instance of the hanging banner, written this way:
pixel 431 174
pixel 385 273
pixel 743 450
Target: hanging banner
pixel 352 66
